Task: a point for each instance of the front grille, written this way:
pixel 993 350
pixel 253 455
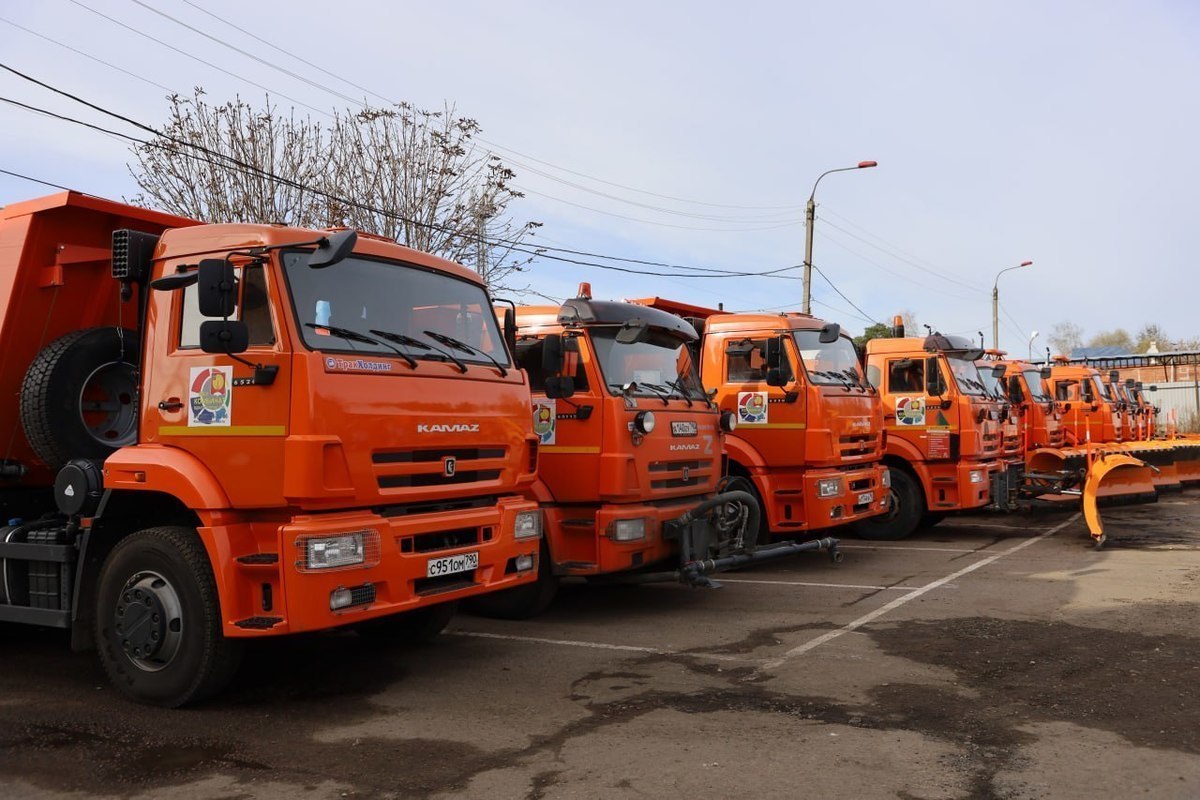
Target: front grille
pixel 409 509
pixel 438 466
pixel 440 540
pixel 670 474
pixel 858 445
pixel 437 478
pixel 860 485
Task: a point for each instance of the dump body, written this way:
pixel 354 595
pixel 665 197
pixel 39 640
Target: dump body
pixel 810 437
pixel 418 465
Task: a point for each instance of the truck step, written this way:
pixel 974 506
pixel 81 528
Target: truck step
pixel 258 623
pixel 259 558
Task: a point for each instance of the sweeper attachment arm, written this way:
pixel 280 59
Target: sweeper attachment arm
pixel 1092 474
pixel 1113 475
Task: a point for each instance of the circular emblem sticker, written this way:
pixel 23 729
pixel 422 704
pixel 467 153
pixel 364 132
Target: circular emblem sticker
pixel 752 408
pixel 210 396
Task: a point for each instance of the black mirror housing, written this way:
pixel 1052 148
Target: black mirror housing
pixel 552 354
pixel 774 354
pixel 334 248
pixel 558 387
pixel 775 377
pixel 510 331
pixel 216 283
pixel 1046 372
pixel 830 333
pixel 224 336
pixel 632 332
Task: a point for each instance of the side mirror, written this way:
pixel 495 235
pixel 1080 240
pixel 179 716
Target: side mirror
pixel 1131 383
pixel 1014 389
pixel 632 332
pixel 560 387
pixel 1114 376
pixel 216 283
pixel 1046 373
pixel 774 354
pixel 332 249
pixel 224 336
pixel 775 377
pixel 933 378
pixel 552 355
pixel 830 333
pixel 998 371
pixel 510 331
pixel 1153 388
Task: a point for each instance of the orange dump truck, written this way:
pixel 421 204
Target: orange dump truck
pixel 809 437
pixel 222 432
pixel 631 453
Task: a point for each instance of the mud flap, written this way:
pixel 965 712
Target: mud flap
pixel 1113 475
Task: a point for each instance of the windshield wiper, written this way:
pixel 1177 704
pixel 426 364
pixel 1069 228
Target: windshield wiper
pixel 400 338
pixel 351 335
pixel 677 385
pixel 450 341
pixel 837 376
pixel 658 390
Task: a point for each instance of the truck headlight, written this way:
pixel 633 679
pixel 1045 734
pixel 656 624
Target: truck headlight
pixel 644 422
pixel 976 476
pixel 728 421
pixel 527 525
pixel 628 530
pixel 829 487
pixel 343 550
pixel 885 480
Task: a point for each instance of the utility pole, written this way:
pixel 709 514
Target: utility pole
pixel 810 216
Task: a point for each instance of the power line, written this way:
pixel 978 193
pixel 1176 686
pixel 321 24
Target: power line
pixel 844 297
pixel 35 180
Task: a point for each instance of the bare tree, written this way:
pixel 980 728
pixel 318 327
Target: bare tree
pixel 1065 337
pixel 412 175
pixel 1117 337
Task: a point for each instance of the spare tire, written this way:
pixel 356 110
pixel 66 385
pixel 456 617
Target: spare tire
pixel 79 398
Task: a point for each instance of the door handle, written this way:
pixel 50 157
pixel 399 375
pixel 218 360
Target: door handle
pixel 170 404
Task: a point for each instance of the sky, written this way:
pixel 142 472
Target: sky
pixel 691 133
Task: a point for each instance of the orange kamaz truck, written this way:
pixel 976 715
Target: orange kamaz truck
pixel 630 483
pixel 809 437
pixel 220 432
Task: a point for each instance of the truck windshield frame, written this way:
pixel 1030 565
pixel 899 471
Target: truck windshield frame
pixel 661 369
pixel 395 296
pixel 826 364
pixel 966 375
pixel 1102 389
pixel 1034 386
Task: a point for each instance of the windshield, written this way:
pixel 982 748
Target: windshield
pixel 359 295
pixel 661 363
pixel 1101 388
pixel 966 375
pixel 995 386
pixel 1033 382
pixel 834 363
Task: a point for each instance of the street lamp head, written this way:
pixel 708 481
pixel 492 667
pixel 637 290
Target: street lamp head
pixel 1026 264
pixel 865 164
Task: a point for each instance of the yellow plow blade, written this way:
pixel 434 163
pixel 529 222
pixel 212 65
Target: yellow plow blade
pixel 1113 475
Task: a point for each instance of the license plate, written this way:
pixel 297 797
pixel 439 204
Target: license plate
pixel 866 497
pixel 448 565
pixel 684 428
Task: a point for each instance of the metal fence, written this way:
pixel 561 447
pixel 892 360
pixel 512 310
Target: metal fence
pixel 1181 399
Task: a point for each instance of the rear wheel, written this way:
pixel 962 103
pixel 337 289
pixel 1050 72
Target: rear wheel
pixel 412 627
pixel 906 506
pixel 158 620
pixel 522 602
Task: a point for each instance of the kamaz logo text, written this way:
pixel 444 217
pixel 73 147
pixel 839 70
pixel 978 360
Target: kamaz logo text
pixel 458 427
pixel 684 446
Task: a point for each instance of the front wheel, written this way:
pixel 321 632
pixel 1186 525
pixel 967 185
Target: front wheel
pixel 906 506
pixel 522 602
pixel 158 620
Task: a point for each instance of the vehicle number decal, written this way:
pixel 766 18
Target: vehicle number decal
pixel 448 565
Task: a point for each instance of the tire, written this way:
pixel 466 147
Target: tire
pixel 932 518
pixel 171 652
pixel 421 626
pixel 741 483
pixel 906 507
pixel 522 602
pixel 79 398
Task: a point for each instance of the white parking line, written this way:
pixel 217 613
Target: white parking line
pixel 904 547
pixel 817 585
pixel 812 644
pixel 629 648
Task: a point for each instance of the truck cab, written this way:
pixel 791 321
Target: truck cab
pixel 1038 416
pixel 943 429
pixel 809 435
pixel 250 430
pixel 1089 412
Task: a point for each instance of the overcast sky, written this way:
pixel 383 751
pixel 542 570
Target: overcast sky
pixel 1065 133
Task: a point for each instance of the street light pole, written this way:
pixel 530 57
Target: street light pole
pixel 810 216
pixel 1032 336
pixel 996 303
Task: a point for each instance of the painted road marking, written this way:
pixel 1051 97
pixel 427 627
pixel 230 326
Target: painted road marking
pixel 628 648
pixel 723 579
pixel 812 644
pixel 904 547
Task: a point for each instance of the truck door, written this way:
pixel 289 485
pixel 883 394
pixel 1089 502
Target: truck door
pixel 917 388
pixel 761 372
pixel 219 408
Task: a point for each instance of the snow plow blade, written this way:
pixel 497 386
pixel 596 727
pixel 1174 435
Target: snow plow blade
pixel 1110 476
